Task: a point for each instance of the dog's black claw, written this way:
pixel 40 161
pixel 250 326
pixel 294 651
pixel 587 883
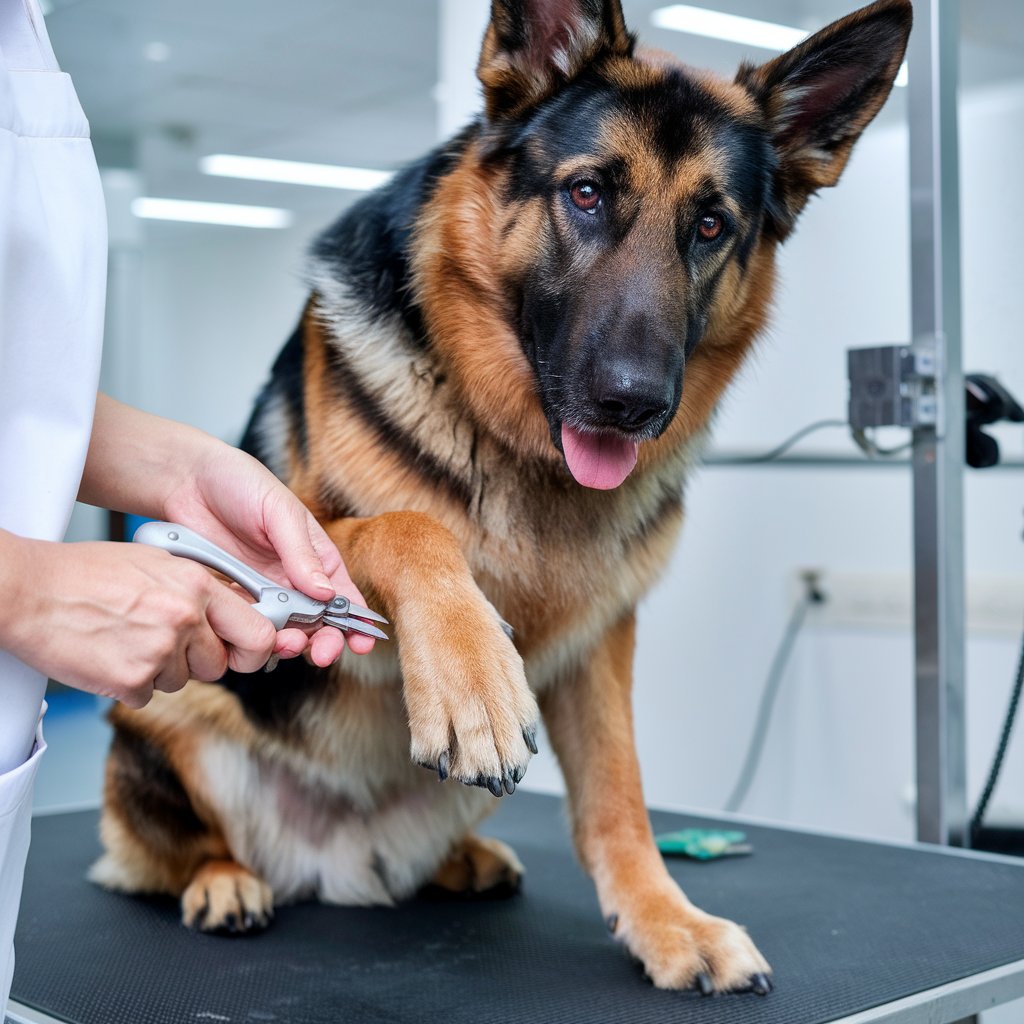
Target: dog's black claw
pixel 612 921
pixel 509 783
pixel 517 774
pixel 760 984
pixel 443 764
pixel 507 629
pixel 494 785
pixel 705 985
pixel 530 735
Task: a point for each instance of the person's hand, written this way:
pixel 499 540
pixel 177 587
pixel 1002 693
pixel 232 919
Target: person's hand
pixel 120 620
pixel 235 502
pixel 141 463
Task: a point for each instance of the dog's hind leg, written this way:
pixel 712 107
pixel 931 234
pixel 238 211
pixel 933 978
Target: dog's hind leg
pixel 471 714
pixel 479 866
pixel 157 841
pixel 590 723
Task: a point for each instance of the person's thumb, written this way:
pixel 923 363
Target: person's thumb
pixel 290 534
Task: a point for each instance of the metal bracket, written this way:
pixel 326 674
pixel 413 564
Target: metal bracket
pixel 893 386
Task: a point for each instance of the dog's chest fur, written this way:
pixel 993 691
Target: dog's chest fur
pixel 559 562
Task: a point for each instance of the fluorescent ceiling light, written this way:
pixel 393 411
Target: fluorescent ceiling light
pixel 156 51
pixel 699 21
pixel 211 213
pixel 355 179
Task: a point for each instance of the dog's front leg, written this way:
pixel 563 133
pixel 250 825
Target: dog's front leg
pixel 471 713
pixel 589 719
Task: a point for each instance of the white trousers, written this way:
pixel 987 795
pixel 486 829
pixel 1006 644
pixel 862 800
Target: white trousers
pixel 15 822
pixel 52 291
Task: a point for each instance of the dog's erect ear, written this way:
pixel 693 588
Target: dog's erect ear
pixel 822 94
pixel 534 46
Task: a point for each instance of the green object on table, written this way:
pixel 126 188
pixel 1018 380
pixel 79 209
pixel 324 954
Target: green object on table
pixel 703 843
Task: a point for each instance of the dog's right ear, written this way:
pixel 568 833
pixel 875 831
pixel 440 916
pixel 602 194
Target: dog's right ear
pixel 532 47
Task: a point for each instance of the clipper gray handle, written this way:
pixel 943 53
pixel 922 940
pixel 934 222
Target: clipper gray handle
pixel 179 540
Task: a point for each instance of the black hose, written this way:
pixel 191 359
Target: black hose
pixel 1004 742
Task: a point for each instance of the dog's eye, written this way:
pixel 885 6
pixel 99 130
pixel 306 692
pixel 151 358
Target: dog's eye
pixel 710 226
pixel 586 195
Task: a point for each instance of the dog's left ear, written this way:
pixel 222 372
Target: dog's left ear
pixel 822 94
pixel 534 46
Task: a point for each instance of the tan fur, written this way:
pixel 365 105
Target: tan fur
pixel 589 721
pixel 222 895
pixel 479 864
pixel 453 266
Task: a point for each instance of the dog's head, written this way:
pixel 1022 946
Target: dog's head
pixel 640 201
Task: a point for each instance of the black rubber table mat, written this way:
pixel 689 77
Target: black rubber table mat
pixel 846 925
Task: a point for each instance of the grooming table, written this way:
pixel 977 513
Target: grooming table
pixel 856 931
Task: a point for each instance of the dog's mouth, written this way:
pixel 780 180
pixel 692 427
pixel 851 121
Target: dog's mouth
pixel 598 459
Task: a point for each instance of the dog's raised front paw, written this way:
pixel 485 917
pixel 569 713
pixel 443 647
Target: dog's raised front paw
pixel 471 713
pixel 224 897
pixel 681 947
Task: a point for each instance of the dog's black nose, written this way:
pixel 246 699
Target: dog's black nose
pixel 628 398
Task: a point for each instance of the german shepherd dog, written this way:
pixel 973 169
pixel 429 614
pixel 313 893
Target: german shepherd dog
pixel 506 367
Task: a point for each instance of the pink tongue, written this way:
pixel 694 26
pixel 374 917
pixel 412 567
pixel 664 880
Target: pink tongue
pixel 600 461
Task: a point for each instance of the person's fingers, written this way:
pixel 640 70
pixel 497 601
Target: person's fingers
pixel 309 557
pixel 250 637
pixel 290 643
pixel 174 675
pixel 360 643
pixel 291 531
pixel 325 548
pixel 135 696
pixel 326 645
pixel 206 655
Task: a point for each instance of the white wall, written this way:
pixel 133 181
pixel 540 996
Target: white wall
pixel 218 307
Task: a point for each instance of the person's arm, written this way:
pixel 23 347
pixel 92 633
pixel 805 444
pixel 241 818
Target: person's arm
pixel 137 461
pixel 165 470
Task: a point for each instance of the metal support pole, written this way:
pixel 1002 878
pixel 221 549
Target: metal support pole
pixel 938 452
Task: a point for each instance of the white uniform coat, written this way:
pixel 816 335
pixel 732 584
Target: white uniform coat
pixel 52 287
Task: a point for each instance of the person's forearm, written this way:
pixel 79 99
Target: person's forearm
pixel 137 461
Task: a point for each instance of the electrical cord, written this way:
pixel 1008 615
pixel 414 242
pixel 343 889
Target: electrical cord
pixel 1004 742
pixel 872 450
pixel 774 453
pixel 866 445
pixel 812 596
